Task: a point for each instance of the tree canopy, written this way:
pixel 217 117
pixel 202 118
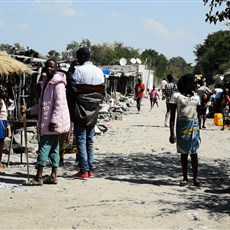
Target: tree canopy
pixel 110 54
pixel 217 11
pixel 213 56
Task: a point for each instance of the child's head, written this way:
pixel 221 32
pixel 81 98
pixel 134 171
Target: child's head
pixel 170 77
pixel 187 83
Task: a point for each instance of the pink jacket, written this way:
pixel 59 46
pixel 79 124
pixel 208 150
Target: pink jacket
pixel 52 107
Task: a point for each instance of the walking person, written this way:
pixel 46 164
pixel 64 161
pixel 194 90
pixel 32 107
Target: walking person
pixel 85 91
pixel 204 93
pixel 154 96
pixel 3 123
pixel 139 93
pixel 53 119
pixel 186 103
pixel 170 88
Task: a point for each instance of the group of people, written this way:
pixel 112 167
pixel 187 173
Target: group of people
pixel 139 94
pixel 65 98
pixel 186 108
pixel 75 97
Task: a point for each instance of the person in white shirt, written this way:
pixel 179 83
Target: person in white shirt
pixel 85 91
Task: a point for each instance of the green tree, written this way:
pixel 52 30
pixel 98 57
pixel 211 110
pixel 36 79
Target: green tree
pixel 70 53
pixel 122 51
pixel 217 11
pixel 155 61
pixel 213 56
pixel 103 54
pixel 177 66
pixel 6 47
pixel 54 54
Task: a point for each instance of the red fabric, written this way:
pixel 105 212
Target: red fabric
pixel 227 100
pixel 139 90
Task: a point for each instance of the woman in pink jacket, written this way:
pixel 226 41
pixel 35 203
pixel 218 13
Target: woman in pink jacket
pixel 53 119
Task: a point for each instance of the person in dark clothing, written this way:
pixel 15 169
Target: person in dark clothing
pixel 85 91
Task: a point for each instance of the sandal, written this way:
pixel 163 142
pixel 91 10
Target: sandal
pixel 34 182
pixel 50 180
pixel 183 183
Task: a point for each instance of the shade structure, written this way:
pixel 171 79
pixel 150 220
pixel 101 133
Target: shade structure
pixel 10 66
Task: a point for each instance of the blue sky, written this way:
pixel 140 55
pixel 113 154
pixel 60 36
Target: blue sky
pixel 172 28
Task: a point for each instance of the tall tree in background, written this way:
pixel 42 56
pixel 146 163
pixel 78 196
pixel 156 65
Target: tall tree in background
pixel 122 51
pixel 213 56
pixel 177 66
pixel 54 55
pixel 70 52
pixel 103 55
pixel 155 61
pixel 217 11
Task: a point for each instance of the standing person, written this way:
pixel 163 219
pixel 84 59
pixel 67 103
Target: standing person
pixel 186 103
pixel 163 83
pixel 204 93
pixel 225 105
pixel 170 88
pixel 154 96
pixel 3 123
pixel 217 99
pixel 53 119
pixel 85 90
pixel 139 93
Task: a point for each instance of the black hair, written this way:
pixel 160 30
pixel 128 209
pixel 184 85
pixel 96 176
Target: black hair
pixel 50 60
pixel 83 51
pixel 184 81
pixel 170 77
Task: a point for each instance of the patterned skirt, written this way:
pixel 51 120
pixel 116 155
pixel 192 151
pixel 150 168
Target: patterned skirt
pixel 188 135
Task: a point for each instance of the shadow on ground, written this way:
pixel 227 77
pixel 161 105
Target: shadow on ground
pixel 161 169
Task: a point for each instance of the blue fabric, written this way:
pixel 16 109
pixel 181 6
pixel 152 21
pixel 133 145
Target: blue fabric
pixel 85 147
pixel 3 125
pixel 188 135
pixel 48 148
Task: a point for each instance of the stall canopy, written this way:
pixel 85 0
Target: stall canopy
pixel 10 66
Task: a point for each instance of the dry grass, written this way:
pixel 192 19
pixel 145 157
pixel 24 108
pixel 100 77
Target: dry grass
pixel 9 66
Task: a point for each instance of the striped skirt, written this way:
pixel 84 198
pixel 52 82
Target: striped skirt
pixel 188 135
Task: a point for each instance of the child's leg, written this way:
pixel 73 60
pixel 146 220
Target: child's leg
pixel 194 159
pixel 184 164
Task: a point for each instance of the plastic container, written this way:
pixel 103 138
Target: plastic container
pixel 218 119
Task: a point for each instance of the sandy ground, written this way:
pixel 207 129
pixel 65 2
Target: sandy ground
pixel 137 173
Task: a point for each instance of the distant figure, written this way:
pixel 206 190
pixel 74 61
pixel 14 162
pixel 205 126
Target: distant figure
pixel 225 106
pixel 85 91
pixel 53 119
pixel 139 93
pixel 154 96
pixel 204 93
pixel 186 103
pixel 217 99
pixel 170 88
pixel 163 83
pixel 3 124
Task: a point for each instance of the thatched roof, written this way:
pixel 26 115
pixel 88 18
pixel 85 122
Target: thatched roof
pixel 9 66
